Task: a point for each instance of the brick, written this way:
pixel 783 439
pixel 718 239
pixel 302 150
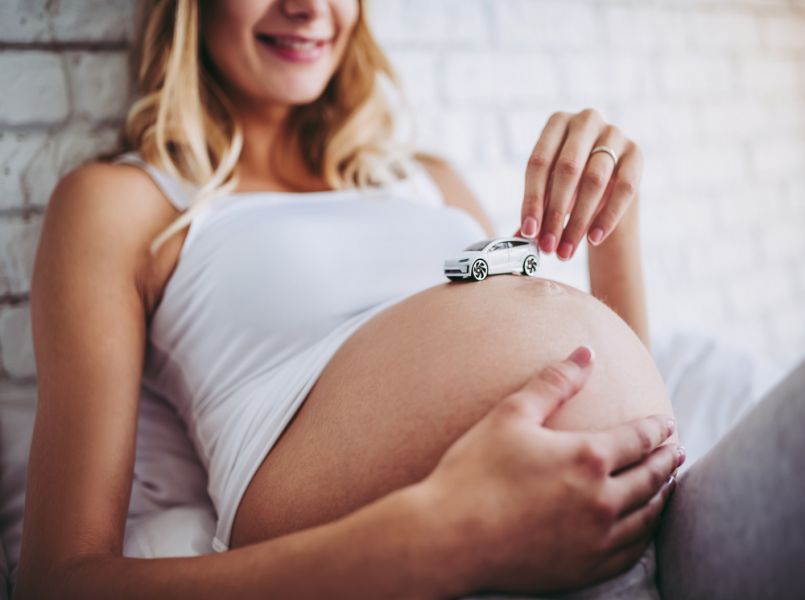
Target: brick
pixel 76 20
pixel 697 76
pixel 768 77
pixel 784 242
pixel 764 290
pixel 777 158
pixel 659 126
pixel 723 256
pixel 783 33
pixel 499 78
pixel 16 153
pixel 35 88
pixel 18 241
pixel 416 70
pixel 732 120
pixel 638 28
pixel 24 21
pixel 468 137
pixel 744 210
pixel 655 183
pixel 524 23
pixel 413 22
pixel 591 79
pixel 524 127
pixel 16 342
pixel 726 31
pixel 785 116
pixel 707 167
pixel 98 84
pixel 57 154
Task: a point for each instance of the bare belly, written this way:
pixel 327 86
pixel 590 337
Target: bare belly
pixel 417 375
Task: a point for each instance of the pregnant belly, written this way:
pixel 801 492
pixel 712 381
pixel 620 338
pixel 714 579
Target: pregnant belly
pixel 418 374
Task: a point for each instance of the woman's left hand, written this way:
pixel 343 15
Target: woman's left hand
pixel 562 177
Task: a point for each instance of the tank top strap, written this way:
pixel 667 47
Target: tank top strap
pixel 175 191
pixel 427 190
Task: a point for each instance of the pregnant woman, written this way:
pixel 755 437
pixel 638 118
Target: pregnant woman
pixel 368 428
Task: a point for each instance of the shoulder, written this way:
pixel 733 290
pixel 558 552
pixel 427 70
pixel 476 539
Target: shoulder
pixel 107 187
pixel 105 216
pixel 115 200
pixel 454 189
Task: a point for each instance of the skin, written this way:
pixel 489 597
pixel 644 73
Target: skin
pixel 550 466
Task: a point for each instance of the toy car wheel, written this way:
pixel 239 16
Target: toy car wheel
pixel 479 269
pixel 530 265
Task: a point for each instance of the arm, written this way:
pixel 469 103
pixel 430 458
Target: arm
pixel 384 550
pixel 89 326
pixel 616 276
pixel 562 167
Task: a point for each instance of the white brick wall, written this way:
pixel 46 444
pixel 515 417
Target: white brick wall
pixel 712 90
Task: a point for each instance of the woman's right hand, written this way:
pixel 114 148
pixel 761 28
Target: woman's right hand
pixel 535 510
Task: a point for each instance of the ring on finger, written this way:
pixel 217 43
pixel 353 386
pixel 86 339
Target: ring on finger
pixel 607 150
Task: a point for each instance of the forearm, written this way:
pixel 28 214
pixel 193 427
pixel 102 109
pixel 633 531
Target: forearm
pixel 616 275
pixel 392 548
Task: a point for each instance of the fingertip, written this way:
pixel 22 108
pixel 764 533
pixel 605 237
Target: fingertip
pixel 596 236
pixel 529 227
pixel 582 356
pixel 681 454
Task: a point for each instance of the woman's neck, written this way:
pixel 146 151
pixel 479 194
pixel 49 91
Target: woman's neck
pixel 262 133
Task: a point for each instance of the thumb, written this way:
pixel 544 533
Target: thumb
pixel 546 391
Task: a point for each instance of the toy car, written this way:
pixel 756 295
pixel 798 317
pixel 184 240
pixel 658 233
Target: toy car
pixel 493 257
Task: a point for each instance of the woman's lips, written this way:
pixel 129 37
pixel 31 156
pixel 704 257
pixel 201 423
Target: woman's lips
pixel 293 48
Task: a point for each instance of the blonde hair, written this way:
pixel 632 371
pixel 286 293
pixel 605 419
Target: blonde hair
pixel 183 123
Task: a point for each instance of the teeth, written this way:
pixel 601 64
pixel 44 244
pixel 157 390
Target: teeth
pixel 294 44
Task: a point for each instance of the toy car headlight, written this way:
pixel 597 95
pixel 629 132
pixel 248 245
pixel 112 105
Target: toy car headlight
pixel 464 260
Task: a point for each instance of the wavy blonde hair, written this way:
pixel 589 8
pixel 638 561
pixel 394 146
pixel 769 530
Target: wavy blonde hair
pixel 184 124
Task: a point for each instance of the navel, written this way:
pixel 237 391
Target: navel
pixel 540 287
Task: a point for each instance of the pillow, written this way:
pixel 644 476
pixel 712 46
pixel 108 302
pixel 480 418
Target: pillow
pixel 167 471
pixel 711 384
pixel 167 475
pixel 16 425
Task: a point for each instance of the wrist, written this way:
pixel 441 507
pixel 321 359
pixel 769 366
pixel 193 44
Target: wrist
pixel 447 558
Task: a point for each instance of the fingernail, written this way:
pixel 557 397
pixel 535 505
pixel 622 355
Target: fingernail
pixel 582 356
pixel 548 243
pixel 529 227
pixel 565 250
pixel 596 235
pixel 681 455
pixel 671 426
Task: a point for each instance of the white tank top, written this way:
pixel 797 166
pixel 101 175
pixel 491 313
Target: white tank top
pixel 267 286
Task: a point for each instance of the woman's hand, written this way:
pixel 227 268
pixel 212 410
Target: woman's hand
pixel 536 510
pixel 563 178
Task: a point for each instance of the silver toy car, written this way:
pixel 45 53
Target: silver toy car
pixel 492 257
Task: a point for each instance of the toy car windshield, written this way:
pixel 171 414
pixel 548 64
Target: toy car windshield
pixel 478 245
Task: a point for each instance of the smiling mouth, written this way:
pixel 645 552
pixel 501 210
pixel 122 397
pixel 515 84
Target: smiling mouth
pixel 291 42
